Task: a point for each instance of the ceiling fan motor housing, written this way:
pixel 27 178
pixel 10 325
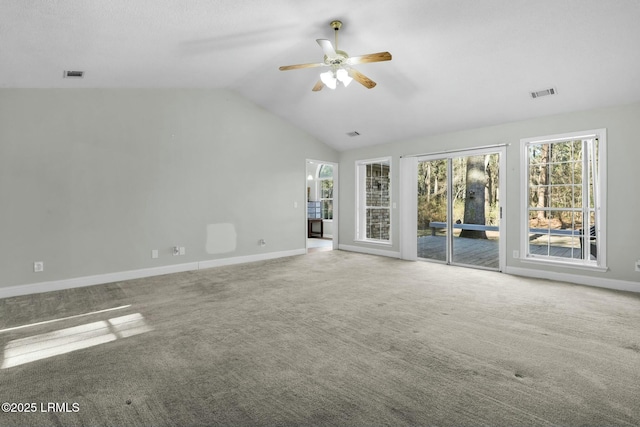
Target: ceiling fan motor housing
pixel 338 60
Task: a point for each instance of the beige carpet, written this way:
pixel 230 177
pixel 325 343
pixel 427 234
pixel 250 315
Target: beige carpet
pixel 330 338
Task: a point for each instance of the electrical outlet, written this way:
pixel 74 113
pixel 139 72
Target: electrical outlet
pixel 516 254
pixel 262 242
pixel 638 265
pixel 182 250
pixel 38 266
pixel 154 253
pixel 176 250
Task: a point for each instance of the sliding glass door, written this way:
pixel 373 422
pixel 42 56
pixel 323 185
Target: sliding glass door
pixel 459 211
pixel 433 209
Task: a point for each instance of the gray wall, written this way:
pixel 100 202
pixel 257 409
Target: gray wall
pixel 92 180
pixel 623 135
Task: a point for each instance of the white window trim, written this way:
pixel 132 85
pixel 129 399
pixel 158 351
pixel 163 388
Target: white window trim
pixel 601 211
pixel 361 202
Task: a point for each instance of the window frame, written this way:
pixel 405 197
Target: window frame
pixel 361 197
pixel 599 196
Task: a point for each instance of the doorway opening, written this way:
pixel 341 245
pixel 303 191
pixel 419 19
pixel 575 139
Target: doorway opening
pixel 459 209
pixel 321 211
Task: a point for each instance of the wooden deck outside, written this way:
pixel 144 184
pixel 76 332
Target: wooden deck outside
pixel 479 252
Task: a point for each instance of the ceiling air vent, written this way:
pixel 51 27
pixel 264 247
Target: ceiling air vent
pixel 74 74
pixel 545 92
pixel 354 133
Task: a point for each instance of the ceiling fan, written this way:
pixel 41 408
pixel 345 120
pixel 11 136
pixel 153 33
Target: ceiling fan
pixel 340 63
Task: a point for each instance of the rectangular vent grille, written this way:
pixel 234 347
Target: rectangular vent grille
pixel 74 74
pixel 354 133
pixel 545 92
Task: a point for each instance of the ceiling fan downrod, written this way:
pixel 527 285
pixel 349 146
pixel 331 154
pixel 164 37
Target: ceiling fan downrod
pixel 336 25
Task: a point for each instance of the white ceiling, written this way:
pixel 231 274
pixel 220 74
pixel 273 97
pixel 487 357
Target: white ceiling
pixel 457 64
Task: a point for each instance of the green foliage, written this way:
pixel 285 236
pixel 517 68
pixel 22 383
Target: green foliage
pixel 430 210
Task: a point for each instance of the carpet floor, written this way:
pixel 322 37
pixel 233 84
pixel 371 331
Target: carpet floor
pixel 331 338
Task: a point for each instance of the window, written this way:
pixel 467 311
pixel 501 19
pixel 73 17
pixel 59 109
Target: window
pixel 564 205
pixel 325 180
pixel 374 200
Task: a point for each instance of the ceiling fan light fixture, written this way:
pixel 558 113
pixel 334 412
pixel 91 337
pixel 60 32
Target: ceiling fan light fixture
pixel 343 76
pixel 329 79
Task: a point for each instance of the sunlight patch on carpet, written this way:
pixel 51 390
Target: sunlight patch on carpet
pixel 37 347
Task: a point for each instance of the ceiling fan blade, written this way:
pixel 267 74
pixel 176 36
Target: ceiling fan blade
pixel 372 57
pixel 361 78
pixel 327 48
pixel 299 66
pixel 318 86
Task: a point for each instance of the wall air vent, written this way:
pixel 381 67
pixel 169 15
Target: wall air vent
pixel 545 92
pixel 73 74
pixel 354 133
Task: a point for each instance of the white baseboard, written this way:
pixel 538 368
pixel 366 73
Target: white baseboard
pixel 56 285
pixel 620 285
pixel 100 279
pixel 370 251
pixel 79 282
pixel 249 258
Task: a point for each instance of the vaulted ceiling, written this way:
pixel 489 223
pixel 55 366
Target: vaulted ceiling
pixel 457 64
